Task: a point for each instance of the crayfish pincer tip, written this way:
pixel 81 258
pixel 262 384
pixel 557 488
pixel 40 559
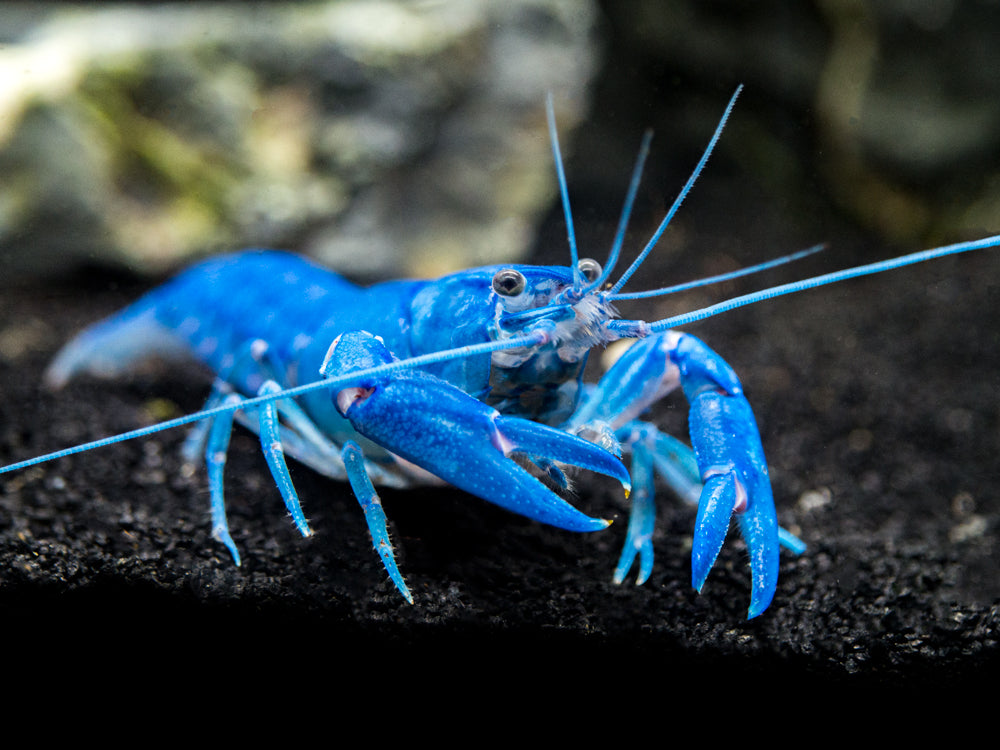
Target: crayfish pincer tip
pixel 591 524
pixel 757 609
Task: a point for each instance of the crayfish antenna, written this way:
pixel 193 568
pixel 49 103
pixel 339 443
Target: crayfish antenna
pixel 563 189
pixel 625 326
pixel 515 342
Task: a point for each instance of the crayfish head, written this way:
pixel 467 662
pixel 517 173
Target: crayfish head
pixel 546 298
pixel 541 382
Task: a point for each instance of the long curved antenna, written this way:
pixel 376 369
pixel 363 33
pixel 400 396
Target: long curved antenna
pixel 721 277
pixel 633 329
pixel 680 198
pixel 532 339
pixel 550 115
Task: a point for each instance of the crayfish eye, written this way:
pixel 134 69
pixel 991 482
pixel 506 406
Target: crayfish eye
pixel 590 269
pixel 509 282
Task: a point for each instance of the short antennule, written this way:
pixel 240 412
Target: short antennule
pixel 633 189
pixel 680 198
pixel 550 114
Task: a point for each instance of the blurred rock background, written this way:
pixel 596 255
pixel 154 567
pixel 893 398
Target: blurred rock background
pixel 391 137
pixel 888 110
pixel 381 136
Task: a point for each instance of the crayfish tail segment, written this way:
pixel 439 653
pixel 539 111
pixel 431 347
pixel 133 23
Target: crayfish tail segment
pixel 115 345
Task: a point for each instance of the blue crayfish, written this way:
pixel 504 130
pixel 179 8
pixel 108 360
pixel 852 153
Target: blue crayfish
pixel 443 380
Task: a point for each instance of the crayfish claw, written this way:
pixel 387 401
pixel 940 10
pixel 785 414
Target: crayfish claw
pixel 731 460
pixel 723 498
pixel 759 527
pixel 466 443
pixel 718 500
pixel 525 436
pixel 727 444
